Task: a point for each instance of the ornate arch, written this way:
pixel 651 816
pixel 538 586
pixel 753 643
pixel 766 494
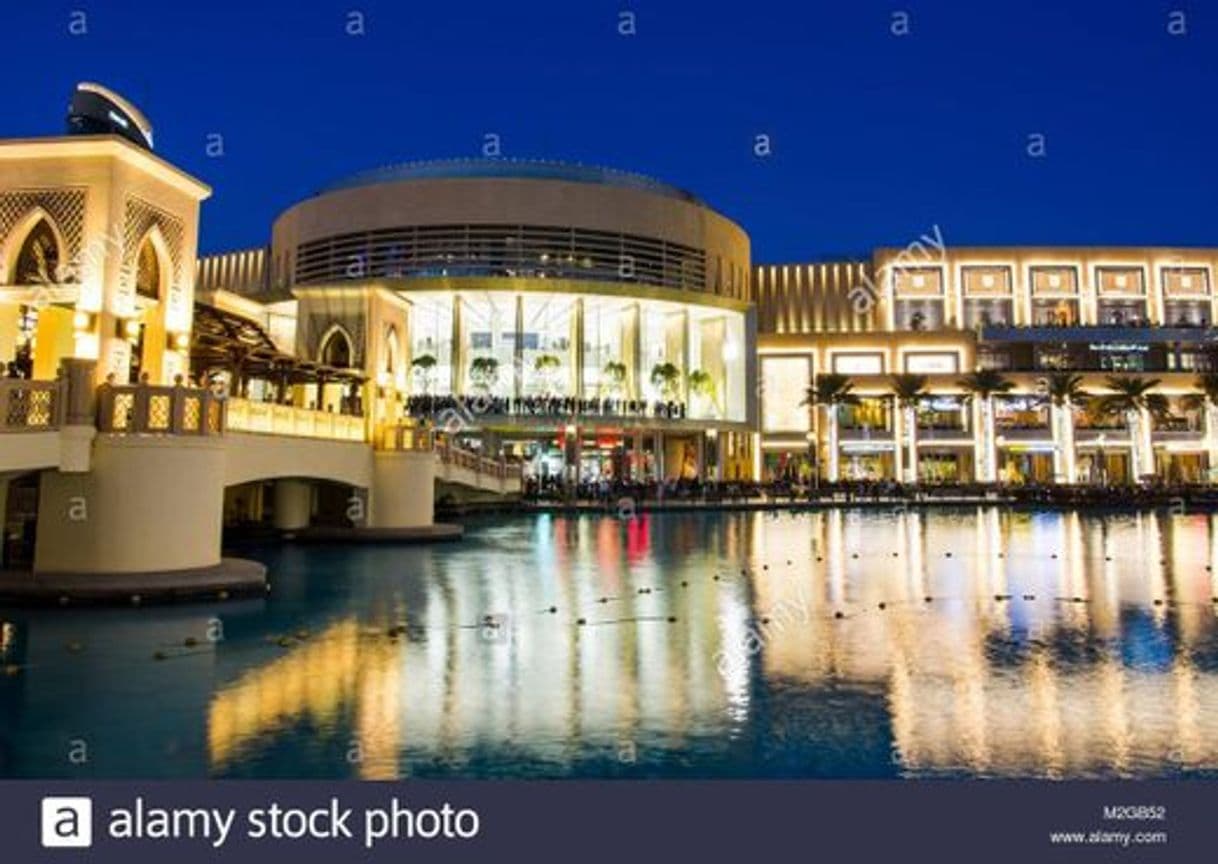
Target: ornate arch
pixel 20 234
pixel 144 220
pixel 393 349
pixel 324 345
pixel 22 210
pixel 154 241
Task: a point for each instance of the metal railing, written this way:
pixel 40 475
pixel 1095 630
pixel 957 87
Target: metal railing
pixel 268 418
pixel 30 406
pixel 141 409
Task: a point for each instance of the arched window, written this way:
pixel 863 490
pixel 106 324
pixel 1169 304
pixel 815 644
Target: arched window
pixel 391 350
pixel 336 349
pixel 148 272
pixel 38 260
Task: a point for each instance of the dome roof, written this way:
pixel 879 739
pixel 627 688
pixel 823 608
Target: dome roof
pixel 523 169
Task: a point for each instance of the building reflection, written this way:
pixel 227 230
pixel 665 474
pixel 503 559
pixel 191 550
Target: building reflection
pixel 1042 649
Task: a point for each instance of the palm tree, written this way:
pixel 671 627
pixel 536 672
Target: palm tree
pixel 909 390
pixel 484 373
pixel 665 377
pixel 982 386
pixel 1132 399
pixel 1206 401
pixel 613 377
pixel 830 391
pixel 547 367
pixel 702 385
pixel 1063 391
pixel 423 365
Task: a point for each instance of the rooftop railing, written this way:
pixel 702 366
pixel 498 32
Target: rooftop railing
pixel 142 409
pixel 30 406
pixel 269 418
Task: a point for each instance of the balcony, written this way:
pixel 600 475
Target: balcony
pixel 140 409
pixel 1024 433
pixel 268 418
pixel 864 433
pixel 1108 333
pixel 30 406
pixel 944 433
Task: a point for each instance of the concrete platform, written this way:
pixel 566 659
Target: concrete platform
pixel 232 577
pixel 439 533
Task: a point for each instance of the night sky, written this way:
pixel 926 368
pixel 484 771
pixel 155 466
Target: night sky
pixel 875 137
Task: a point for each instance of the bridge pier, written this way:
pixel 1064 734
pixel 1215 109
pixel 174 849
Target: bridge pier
pixel 149 504
pixel 403 489
pixel 293 504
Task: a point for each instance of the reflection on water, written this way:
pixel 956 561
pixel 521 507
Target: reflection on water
pixel 837 644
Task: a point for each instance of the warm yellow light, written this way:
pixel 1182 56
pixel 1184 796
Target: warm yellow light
pixel 82 320
pixel 132 328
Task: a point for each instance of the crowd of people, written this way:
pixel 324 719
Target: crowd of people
pixel 541 406
pixel 610 492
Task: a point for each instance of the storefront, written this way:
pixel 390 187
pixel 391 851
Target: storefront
pixel 945 464
pixel 867 462
pixel 1103 466
pixel 1182 466
pixel 1019 464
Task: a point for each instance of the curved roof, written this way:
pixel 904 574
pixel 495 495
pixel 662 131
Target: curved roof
pixel 532 169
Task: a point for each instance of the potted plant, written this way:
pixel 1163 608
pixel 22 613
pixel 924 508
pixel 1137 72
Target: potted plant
pixel 546 366
pixel 702 388
pixel 484 372
pixel 665 377
pixel 614 378
pixel 424 365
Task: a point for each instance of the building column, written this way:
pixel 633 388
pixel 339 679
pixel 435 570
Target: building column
pixel 517 350
pixel 1064 455
pixel 456 353
pixel 1211 440
pixel 577 343
pixel 834 473
pixel 293 504
pixel 658 445
pixel 985 457
pixel 898 442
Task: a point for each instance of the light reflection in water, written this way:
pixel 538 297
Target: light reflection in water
pixel 978 642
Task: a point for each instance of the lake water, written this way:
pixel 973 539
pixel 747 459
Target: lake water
pixel 712 645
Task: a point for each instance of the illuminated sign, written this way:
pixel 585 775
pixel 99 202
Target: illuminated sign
pixel 932 364
pixel 1117 347
pixel 859 364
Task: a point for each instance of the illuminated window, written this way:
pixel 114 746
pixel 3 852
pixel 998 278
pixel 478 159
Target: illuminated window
pixel 38 260
pixel 784 383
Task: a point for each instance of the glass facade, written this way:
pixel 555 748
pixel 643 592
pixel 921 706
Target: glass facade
pixel 555 345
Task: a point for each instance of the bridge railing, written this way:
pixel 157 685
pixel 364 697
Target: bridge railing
pixel 498 469
pixel 142 409
pixel 30 406
pixel 400 437
pixel 268 418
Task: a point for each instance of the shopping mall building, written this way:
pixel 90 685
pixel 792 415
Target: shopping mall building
pixel 555 321
pixel 626 330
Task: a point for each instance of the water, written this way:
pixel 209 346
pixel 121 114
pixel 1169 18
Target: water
pixel 756 677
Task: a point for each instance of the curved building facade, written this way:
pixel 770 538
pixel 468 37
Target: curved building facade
pixel 540 296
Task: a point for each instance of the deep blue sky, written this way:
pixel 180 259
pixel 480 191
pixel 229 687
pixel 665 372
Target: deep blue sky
pixel 875 138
